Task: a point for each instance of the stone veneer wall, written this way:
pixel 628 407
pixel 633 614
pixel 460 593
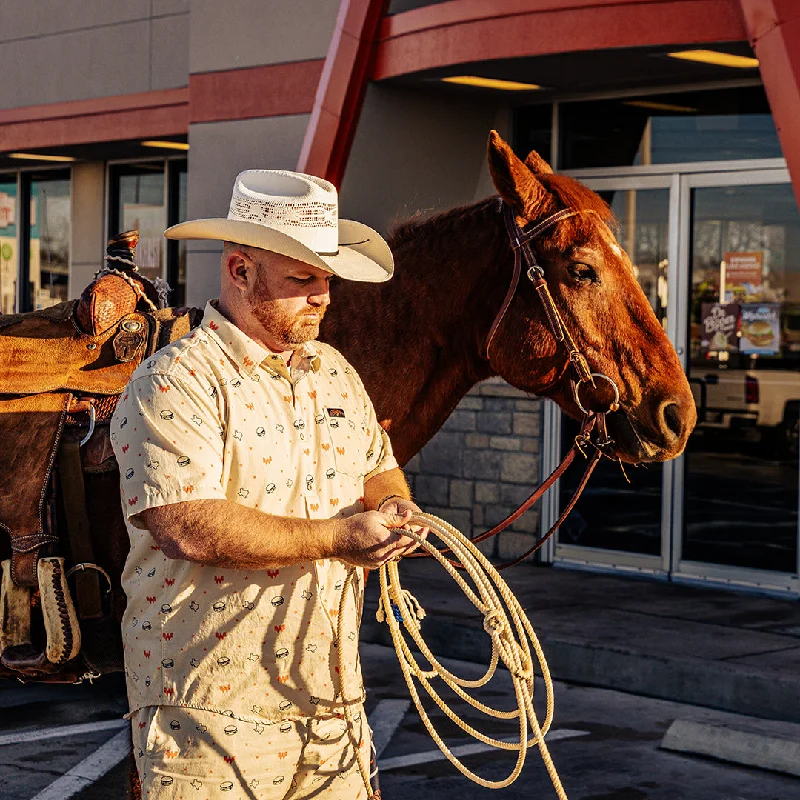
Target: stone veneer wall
pixel 482 464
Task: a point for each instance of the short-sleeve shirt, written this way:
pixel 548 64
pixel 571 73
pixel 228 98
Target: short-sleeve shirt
pixel 215 415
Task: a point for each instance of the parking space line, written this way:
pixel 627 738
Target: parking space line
pixel 388 714
pixel 92 768
pixel 38 734
pixel 413 759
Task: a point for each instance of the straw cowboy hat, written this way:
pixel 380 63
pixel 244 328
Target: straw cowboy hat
pixel 295 215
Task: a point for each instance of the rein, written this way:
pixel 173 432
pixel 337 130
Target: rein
pixel 593 421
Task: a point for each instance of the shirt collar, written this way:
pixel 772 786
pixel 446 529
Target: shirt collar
pixel 248 354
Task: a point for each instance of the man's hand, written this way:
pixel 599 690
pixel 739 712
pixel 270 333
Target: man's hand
pixel 398 506
pixel 372 538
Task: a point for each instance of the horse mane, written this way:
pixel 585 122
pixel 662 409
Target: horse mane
pixel 410 231
pixel 567 192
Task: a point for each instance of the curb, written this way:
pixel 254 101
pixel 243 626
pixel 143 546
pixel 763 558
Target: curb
pixel 737 746
pixel 714 684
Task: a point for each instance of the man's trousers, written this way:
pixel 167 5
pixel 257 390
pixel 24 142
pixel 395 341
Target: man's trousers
pixel 183 753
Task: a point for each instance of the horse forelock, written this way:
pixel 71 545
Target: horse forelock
pixel 570 193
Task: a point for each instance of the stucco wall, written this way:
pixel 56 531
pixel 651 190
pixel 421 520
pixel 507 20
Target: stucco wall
pixel 52 51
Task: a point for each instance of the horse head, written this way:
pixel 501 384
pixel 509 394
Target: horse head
pixel 592 282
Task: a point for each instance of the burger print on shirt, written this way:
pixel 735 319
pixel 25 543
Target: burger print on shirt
pixel 214 416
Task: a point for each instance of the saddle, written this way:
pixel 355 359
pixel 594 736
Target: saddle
pixel 62 370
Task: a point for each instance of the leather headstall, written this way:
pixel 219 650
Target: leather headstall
pixel 593 422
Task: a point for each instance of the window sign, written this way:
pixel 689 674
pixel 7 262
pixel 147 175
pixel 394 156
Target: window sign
pixel 719 326
pixel 743 276
pixel 761 329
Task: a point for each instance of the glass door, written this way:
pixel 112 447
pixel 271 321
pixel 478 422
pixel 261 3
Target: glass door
pixel 737 490
pixel 621 520
pixel 718 256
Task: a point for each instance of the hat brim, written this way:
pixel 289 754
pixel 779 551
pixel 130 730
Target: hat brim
pixel 363 253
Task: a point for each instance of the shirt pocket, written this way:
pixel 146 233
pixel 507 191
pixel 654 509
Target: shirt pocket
pixel 344 431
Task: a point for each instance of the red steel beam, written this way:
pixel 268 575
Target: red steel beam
pixel 341 89
pixel 773 27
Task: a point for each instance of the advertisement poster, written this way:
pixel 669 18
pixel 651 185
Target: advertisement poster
pixel 719 324
pixel 743 276
pixel 761 329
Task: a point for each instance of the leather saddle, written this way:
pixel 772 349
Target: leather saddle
pixel 62 370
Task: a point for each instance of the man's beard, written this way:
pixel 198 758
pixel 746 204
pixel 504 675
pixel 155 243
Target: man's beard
pixel 289 330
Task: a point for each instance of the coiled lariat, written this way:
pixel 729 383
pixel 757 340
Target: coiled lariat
pixel 514 644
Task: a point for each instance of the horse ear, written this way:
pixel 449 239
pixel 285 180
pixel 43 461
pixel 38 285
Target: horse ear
pixel 537 165
pixel 514 182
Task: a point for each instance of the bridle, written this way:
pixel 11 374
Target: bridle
pixel 593 421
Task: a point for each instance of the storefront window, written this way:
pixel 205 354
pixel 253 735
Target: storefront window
pixel 742 461
pixel 148 197
pixel 176 249
pixel 718 125
pixel 9 259
pixel 139 200
pixel 533 130
pixel 49 237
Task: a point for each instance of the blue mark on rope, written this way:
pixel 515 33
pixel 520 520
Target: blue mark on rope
pixel 396 611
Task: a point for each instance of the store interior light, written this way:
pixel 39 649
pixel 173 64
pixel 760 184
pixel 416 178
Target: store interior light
pixel 716 58
pixel 40 157
pixel 652 105
pixel 491 83
pixel 165 145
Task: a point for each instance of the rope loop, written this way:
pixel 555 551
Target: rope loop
pixel 514 644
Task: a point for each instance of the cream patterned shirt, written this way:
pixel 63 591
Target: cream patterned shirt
pixel 216 416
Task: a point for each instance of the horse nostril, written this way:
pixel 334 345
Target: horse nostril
pixel 672 418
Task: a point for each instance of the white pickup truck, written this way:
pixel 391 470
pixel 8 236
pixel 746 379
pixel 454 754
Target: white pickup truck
pixel 763 400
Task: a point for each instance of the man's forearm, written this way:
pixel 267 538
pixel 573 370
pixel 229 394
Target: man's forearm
pixel 385 484
pixel 226 534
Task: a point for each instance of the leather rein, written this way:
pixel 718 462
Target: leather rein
pixel 593 421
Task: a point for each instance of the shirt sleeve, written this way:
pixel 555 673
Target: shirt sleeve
pixel 380 457
pixel 167 438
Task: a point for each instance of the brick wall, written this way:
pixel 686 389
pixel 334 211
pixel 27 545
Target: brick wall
pixel 482 464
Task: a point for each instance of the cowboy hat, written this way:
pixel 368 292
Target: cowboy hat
pixel 295 215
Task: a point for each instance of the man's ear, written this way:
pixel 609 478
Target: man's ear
pixel 239 267
pixel 513 180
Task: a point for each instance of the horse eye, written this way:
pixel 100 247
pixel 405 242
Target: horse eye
pixel 583 273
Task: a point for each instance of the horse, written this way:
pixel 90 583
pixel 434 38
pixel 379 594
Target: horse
pixel 449 320
pixel 419 341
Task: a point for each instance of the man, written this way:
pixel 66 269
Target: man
pixel 254 475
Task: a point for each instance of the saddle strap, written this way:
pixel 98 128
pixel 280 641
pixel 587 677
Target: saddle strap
pixel 73 493
pixel 30 430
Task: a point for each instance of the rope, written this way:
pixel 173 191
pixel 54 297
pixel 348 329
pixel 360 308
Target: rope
pixel 513 643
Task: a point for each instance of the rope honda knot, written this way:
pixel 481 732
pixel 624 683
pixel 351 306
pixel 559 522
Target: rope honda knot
pixel 493 622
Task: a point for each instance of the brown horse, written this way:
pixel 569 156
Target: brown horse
pixel 419 341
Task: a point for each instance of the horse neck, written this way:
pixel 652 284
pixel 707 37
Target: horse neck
pixel 417 340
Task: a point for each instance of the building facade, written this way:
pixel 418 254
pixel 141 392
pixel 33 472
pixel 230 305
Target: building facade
pixel 683 114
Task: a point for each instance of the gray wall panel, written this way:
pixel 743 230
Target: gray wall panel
pixel 78 65
pixel 246 33
pixel 170 52
pixel 161 7
pixel 416 152
pixel 33 18
pixel 88 245
pixel 220 151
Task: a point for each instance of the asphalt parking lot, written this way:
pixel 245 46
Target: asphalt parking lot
pixel 605 745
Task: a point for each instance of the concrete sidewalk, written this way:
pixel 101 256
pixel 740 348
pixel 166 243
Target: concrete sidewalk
pixel 735 652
